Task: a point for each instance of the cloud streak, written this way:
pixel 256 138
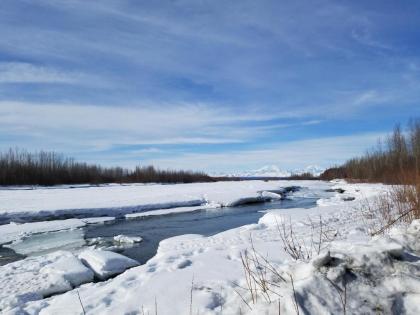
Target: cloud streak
pixel 325 152
pixel 108 126
pixel 15 72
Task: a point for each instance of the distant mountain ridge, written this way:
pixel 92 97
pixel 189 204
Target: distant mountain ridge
pixel 275 171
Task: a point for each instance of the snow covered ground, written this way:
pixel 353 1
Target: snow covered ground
pixel 205 275
pixel 38 277
pixel 118 200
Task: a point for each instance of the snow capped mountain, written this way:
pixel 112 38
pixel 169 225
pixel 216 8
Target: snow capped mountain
pixel 313 169
pixel 266 171
pixel 275 171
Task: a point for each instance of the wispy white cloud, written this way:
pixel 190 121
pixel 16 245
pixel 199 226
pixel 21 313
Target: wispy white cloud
pixel 364 37
pixel 107 126
pixel 21 72
pixel 16 72
pixel 324 152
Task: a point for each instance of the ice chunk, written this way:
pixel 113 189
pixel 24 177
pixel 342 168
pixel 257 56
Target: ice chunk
pixel 71 268
pixel 96 220
pixel 44 243
pixel 166 211
pixel 105 263
pixel 13 231
pixel 37 277
pixel 271 195
pixel 127 239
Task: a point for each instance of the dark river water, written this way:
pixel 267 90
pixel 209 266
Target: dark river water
pixel 152 229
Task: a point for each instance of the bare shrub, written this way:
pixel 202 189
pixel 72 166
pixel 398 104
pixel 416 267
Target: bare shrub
pixel 260 275
pixel 376 213
pixel 292 245
pixel 263 280
pixel 297 248
pixel 407 201
pixel 401 204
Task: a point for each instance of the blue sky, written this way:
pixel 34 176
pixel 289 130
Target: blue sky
pixel 207 85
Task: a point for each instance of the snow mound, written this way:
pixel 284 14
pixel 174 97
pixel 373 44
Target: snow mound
pixel 38 277
pixel 105 263
pixel 380 276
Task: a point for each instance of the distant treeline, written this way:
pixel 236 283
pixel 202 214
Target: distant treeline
pixel 394 161
pixel 303 176
pixel 20 167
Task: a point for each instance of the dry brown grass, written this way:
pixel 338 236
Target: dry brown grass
pixel 400 205
pixel 297 248
pixel 264 281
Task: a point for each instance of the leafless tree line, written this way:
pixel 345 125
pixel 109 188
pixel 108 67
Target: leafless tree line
pixel 393 161
pixel 20 167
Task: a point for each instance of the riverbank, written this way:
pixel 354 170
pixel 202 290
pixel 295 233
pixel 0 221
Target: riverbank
pixel 24 204
pixel 206 274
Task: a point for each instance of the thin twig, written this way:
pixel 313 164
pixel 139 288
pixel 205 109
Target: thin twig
pixel 242 298
pixel 81 304
pixel 384 228
pixel 294 295
pixel 191 294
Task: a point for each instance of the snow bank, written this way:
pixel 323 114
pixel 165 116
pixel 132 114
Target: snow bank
pixel 117 200
pixel 38 277
pixel 382 275
pixel 105 263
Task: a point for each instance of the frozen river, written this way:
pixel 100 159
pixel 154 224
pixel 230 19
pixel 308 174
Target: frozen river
pixel 152 229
